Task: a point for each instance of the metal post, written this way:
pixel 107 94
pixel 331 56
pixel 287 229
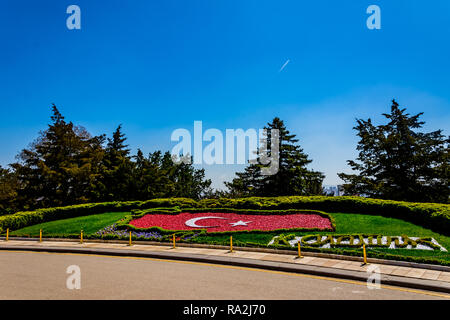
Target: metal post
pixel 81 237
pixel 7 234
pixel 299 250
pixel 173 240
pixel 40 235
pixel 231 243
pixel 365 254
pixel 130 239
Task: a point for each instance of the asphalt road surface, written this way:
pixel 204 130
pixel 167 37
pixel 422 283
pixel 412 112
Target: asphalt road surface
pixel 33 275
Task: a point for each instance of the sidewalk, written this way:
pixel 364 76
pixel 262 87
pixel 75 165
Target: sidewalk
pixel 412 277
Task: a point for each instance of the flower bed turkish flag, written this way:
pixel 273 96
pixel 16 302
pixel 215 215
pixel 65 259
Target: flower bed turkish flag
pixel 219 222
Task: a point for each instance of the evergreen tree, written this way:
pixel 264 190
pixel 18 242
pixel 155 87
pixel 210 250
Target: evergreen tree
pixel 8 191
pixel 66 165
pixel 182 179
pixel 139 172
pixel 248 183
pixel 149 180
pixel 61 167
pixel 117 168
pixel 292 178
pixel 188 181
pixel 398 162
pixel 158 176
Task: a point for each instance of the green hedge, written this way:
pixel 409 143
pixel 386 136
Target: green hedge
pixel 27 218
pixel 430 215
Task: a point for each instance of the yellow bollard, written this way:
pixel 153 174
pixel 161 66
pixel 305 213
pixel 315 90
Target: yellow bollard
pixel 173 240
pixel 81 237
pixel 231 243
pixel 130 239
pixel 7 234
pixel 365 254
pixel 40 235
pixel 299 250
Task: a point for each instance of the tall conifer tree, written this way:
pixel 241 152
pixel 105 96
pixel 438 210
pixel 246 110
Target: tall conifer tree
pixel 396 161
pixel 293 176
pixel 61 167
pixel 117 174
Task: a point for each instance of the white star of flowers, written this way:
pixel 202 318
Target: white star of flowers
pixel 240 223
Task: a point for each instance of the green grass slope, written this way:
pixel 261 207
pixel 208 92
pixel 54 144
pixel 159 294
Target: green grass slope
pixel 89 225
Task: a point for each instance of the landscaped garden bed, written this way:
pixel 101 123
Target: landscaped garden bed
pixel 230 220
pixel 390 230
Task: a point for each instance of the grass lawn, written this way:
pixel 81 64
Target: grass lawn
pixel 89 225
pixel 346 223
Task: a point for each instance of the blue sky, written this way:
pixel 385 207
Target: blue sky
pixel 155 66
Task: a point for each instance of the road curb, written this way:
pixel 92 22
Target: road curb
pixel 412 283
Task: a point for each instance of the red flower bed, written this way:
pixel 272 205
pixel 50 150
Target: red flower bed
pixel 219 222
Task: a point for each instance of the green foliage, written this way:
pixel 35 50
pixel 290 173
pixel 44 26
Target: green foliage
pixel 168 202
pixel 116 177
pixel 72 226
pixel 65 165
pixel 292 177
pixel 23 219
pixel 8 191
pixel 61 167
pixel 397 162
pixel 160 176
pixel 27 218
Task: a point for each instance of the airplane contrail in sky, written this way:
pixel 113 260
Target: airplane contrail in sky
pixel 284 65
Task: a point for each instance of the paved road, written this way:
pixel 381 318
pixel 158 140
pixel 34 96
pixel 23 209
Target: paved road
pixel 33 275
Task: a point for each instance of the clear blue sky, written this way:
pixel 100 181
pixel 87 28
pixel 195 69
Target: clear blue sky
pixel 155 66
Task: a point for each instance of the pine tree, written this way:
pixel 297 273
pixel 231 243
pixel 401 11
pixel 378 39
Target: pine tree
pixel 293 176
pixel 117 168
pixel 149 181
pixel 248 183
pixel 66 165
pixel 61 167
pixel 398 162
pixel 158 176
pixel 183 180
pixel 8 191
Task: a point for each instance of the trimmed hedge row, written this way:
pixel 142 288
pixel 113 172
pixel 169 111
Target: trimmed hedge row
pixel 430 215
pixel 27 218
